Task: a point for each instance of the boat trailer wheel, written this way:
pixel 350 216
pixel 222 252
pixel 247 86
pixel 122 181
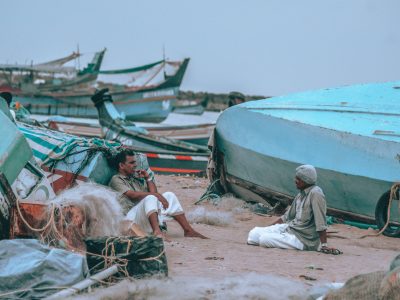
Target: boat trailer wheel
pixel 381 215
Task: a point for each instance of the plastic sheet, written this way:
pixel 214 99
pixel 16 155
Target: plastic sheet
pixel 35 270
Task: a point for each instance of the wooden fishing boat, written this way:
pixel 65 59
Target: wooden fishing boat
pixel 165 155
pixel 196 134
pixel 190 107
pixel 350 134
pixel 34 80
pixel 25 190
pixel 149 102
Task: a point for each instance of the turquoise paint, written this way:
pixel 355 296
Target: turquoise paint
pixel 327 148
pixel 14 150
pixel 264 141
pixel 359 109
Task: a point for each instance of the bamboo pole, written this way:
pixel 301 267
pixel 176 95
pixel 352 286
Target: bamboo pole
pixel 84 283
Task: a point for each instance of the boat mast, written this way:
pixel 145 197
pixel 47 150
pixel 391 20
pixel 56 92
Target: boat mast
pixel 78 61
pixel 165 74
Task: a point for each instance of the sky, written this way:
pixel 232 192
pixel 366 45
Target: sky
pixel 258 47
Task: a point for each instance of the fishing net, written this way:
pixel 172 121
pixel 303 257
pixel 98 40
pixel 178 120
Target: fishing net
pixel 101 207
pixel 86 210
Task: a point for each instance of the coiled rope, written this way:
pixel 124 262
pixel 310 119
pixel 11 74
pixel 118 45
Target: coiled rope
pixel 393 195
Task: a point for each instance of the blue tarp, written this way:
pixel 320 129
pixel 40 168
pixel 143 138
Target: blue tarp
pixel 35 270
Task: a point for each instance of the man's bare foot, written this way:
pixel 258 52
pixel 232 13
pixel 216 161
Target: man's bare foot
pixel 194 234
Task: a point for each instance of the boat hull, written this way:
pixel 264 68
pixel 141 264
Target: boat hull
pixel 197 134
pixel 150 105
pixel 354 171
pixel 178 164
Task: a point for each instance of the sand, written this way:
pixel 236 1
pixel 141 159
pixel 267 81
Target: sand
pixel 227 254
pixel 225 267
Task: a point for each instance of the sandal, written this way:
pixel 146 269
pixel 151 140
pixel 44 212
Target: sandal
pixel 332 251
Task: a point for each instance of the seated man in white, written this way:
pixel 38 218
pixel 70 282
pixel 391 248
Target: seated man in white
pixel 303 226
pixel 140 199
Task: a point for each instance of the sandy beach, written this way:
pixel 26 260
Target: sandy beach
pixel 224 266
pixel 226 252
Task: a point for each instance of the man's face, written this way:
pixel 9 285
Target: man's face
pixel 129 166
pixel 300 184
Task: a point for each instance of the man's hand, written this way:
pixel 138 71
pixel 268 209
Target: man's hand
pixel 163 201
pixel 278 221
pixel 142 174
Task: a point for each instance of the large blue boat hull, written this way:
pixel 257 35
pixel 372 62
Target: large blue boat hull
pixel 261 146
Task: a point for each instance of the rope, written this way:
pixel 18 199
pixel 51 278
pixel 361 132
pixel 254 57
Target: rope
pixel 156 258
pixel 28 225
pixel 154 75
pixel 209 194
pixel 90 152
pixel 51 235
pixel 393 191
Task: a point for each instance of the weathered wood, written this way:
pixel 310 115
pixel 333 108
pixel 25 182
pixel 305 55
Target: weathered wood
pixel 8 202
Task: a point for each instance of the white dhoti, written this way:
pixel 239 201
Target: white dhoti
pixel 139 214
pixel 274 236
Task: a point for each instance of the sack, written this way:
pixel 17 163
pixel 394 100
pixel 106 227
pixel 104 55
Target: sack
pixel 364 286
pixel 137 256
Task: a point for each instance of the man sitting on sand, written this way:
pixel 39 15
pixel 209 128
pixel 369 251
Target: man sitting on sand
pixel 303 226
pixel 140 200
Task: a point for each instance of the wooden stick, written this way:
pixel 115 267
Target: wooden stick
pixel 85 283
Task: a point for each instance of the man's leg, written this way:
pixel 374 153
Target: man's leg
pixel 155 226
pixel 188 230
pixel 255 234
pixel 145 215
pixel 284 240
pixel 175 210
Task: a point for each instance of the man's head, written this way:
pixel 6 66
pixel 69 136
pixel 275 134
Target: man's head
pixel 235 98
pixel 125 162
pixel 306 175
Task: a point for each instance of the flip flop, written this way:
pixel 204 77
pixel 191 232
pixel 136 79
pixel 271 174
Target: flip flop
pixel 332 251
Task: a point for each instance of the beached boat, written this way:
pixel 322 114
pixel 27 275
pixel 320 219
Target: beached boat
pixel 196 134
pixel 190 107
pixel 23 185
pixel 35 80
pixel 25 191
pixel 149 102
pixel 350 134
pixel 164 154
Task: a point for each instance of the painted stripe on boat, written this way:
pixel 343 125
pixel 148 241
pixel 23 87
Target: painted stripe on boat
pixel 175 170
pixel 177 157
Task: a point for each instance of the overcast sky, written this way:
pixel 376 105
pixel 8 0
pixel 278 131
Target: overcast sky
pixel 257 47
